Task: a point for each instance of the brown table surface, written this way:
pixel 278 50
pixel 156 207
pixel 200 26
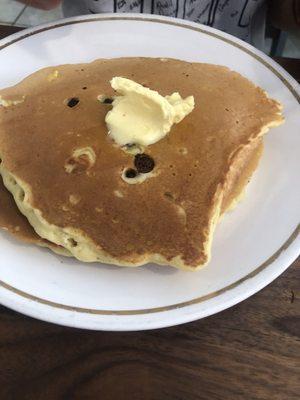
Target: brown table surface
pixel 248 352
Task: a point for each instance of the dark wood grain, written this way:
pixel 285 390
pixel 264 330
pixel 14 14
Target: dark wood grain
pixel 292 65
pixel 249 352
pixel 6 30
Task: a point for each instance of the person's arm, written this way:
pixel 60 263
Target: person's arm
pixel 285 14
pixel 42 4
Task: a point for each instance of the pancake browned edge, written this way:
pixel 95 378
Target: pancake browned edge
pixel 88 208
pixel 13 221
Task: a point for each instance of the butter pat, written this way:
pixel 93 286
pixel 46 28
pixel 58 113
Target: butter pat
pixel 141 115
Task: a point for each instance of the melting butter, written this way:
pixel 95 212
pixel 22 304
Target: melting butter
pixel 141 115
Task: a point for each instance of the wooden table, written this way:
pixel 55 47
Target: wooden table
pixel 249 352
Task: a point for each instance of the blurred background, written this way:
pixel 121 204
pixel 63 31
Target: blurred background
pixel 274 35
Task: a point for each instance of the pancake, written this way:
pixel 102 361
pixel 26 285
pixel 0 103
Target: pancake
pixel 13 221
pixel 89 209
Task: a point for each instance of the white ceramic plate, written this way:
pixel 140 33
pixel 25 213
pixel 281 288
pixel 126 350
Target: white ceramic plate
pixel 252 245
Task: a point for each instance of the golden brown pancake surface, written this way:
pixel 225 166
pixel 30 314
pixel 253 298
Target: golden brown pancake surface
pixel 171 214
pixel 13 221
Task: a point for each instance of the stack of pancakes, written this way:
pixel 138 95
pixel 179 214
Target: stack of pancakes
pixel 62 173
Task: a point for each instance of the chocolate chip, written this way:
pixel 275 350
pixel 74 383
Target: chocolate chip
pixel 73 102
pixel 143 163
pixel 107 101
pixel 84 88
pixel 131 173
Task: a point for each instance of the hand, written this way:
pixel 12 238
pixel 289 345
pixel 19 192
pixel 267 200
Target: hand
pixel 42 4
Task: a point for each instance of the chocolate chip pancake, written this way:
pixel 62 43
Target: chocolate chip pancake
pixel 12 220
pixel 66 173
